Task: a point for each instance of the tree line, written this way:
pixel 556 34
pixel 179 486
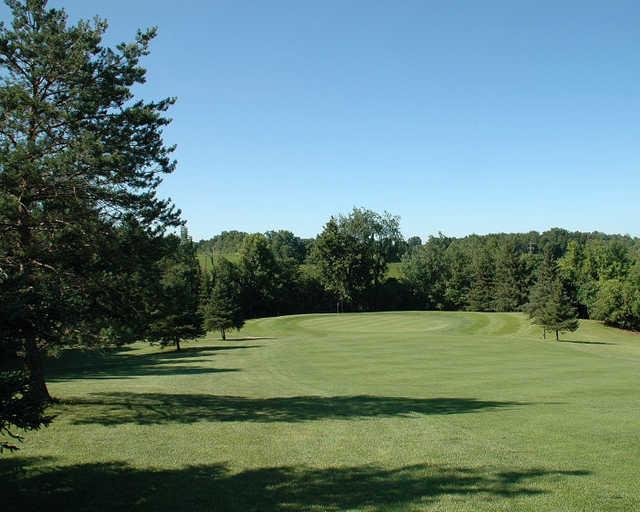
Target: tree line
pixel 345 268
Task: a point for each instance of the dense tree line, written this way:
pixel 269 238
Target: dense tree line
pixel 598 272
pixel 283 243
pixel 346 270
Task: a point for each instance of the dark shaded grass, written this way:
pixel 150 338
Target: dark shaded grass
pixel 36 484
pixel 584 342
pixel 151 408
pixel 119 364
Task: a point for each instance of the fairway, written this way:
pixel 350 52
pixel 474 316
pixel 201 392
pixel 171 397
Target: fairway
pixel 373 411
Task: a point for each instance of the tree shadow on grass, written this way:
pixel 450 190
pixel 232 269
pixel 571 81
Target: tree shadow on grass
pixel 118 364
pixel 586 342
pixel 153 408
pixel 251 338
pixel 31 484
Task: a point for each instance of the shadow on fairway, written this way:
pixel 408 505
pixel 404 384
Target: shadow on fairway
pixel 250 338
pixel 150 408
pixel 586 342
pixel 118 486
pixel 118 364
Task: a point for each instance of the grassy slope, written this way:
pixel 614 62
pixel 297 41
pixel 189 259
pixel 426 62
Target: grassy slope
pixel 391 411
pixel 205 259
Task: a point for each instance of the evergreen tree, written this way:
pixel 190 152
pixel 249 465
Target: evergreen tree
pixel 508 279
pixel 78 156
pixel 176 315
pixel 19 407
pixel 458 278
pixel 481 291
pixel 558 314
pixel 549 305
pixel 541 289
pixel 222 308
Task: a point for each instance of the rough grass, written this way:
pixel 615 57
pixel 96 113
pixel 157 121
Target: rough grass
pixel 389 411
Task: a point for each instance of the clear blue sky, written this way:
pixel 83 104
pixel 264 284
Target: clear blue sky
pixel 459 116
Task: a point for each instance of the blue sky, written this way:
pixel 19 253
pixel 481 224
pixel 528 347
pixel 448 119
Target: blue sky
pixel 459 116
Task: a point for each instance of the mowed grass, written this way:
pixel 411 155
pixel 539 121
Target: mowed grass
pixel 387 411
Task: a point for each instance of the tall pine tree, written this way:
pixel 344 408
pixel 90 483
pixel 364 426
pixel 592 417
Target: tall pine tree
pixel 509 279
pixel 222 304
pixel 549 305
pixel 481 291
pixel 78 156
pixel 176 315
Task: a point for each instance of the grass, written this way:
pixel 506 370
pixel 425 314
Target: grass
pixel 205 259
pixel 394 269
pixel 389 411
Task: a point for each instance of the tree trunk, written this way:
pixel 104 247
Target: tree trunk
pixel 36 370
pixel 33 356
pixel 557 336
pixel 544 333
pixel 177 344
pixel 223 335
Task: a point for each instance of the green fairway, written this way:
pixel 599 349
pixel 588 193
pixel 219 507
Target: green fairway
pixel 374 411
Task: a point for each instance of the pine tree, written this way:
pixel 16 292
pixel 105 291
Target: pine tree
pixel 176 315
pixel 19 407
pixel 508 280
pixel 481 291
pixel 549 306
pixel 222 308
pixel 558 314
pixel 78 156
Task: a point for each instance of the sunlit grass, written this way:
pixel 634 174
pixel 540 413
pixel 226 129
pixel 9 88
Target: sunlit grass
pixel 388 411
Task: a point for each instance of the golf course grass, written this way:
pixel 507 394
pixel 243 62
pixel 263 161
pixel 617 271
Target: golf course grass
pixel 373 411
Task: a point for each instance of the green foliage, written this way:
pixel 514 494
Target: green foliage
pixel 226 243
pixel 19 408
pixel 482 287
pixel 176 315
pixel 80 157
pixel 353 251
pixel 260 273
pixel 344 263
pixel 510 293
pixel 222 304
pixel 377 234
pixel 286 246
pixel 493 272
pixel 425 271
pixel 618 301
pixel 549 305
pixel 558 315
pixel 412 243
